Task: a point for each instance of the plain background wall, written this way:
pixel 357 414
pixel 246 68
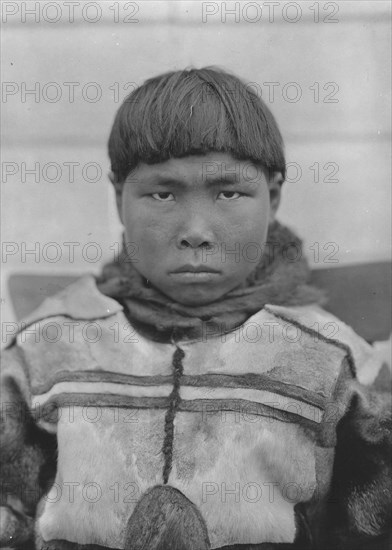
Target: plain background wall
pixel 331 97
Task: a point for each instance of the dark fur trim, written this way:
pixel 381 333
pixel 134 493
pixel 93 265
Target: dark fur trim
pixel 167 448
pixel 164 519
pixel 358 511
pixel 276 280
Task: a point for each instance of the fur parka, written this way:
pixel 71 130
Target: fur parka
pixel 270 436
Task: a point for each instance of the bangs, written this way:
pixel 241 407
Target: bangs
pixel 193 112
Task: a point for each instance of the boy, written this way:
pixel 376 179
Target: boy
pixel 194 397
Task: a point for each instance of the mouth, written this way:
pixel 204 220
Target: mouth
pixel 192 277
pixel 195 274
pixel 188 268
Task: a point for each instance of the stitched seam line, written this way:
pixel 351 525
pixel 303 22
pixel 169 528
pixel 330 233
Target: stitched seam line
pixel 174 401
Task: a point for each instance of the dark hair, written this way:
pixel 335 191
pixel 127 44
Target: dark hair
pixel 190 112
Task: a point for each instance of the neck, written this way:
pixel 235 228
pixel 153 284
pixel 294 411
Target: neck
pixel 280 279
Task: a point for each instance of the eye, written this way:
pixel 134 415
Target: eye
pixel 163 197
pixel 230 195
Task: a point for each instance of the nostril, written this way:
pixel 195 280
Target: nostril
pixel 186 244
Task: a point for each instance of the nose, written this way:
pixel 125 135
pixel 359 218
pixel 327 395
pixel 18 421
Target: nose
pixel 195 232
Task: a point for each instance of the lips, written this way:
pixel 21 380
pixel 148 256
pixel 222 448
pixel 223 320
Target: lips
pixel 195 274
pixel 188 268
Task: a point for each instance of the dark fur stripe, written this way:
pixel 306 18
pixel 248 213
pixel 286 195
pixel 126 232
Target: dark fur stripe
pixel 247 411
pixel 174 400
pixel 248 381
pixel 48 411
pixel 253 381
pixel 102 377
pixel 244 407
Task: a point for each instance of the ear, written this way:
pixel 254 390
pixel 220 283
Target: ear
pixel 118 189
pixel 275 187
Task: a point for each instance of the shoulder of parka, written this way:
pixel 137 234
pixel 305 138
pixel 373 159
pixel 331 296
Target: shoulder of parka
pixel 80 300
pixel 329 328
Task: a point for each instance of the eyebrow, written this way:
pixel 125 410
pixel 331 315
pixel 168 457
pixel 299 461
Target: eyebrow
pixel 212 180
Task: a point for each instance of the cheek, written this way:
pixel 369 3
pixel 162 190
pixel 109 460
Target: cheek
pixel 248 237
pixel 261 216
pixel 253 224
pixel 149 233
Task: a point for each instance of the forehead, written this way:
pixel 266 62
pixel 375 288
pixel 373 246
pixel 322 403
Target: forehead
pixel 210 168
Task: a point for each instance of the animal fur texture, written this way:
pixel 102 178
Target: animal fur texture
pixel 249 413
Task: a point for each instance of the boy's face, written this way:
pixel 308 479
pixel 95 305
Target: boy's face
pixel 198 223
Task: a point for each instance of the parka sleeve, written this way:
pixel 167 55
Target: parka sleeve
pixel 27 453
pixel 358 510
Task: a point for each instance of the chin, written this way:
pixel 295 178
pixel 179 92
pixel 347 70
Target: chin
pixel 196 300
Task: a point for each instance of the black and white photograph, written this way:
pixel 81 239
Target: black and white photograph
pixel 196 275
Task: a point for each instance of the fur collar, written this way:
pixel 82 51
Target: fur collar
pixel 279 279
